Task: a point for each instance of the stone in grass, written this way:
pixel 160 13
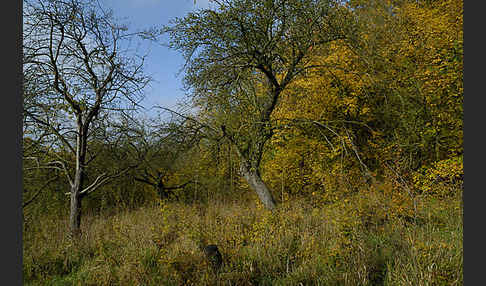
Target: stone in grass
pixel 214 256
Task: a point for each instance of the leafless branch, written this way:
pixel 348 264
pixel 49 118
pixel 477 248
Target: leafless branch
pixel 29 201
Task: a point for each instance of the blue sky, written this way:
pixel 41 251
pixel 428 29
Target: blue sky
pixel 162 64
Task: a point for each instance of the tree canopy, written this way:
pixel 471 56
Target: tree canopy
pixel 287 98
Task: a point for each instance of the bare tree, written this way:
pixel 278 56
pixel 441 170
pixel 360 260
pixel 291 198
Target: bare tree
pixel 79 70
pixel 162 143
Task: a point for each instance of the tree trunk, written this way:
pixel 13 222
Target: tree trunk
pixel 76 197
pixel 161 190
pixel 77 185
pixel 75 215
pixel 255 182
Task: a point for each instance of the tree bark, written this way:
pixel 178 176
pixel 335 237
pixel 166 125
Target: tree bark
pixel 255 181
pixel 76 197
pixel 250 172
pixel 75 214
pixel 77 184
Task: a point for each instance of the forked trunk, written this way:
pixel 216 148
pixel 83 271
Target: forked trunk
pixel 255 182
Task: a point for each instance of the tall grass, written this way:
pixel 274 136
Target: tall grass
pixel 369 238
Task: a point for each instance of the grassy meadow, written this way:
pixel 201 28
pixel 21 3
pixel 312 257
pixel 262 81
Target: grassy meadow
pixel 349 114
pixel 370 237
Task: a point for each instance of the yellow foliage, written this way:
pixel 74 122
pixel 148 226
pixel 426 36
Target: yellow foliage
pixel 442 178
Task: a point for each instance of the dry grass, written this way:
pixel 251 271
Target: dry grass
pixel 367 239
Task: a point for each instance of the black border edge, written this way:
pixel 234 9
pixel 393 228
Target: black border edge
pixel 11 117
pixel 473 216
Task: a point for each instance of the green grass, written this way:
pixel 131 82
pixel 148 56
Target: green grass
pixel 367 239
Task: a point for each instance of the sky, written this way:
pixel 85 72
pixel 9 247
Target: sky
pixel 162 64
